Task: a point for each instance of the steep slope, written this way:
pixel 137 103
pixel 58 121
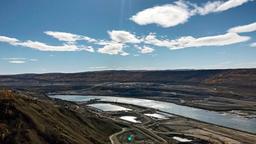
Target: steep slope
pixel 24 119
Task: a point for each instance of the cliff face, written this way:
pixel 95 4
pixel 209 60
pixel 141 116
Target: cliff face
pixel 25 119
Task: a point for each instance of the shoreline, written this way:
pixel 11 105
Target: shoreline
pixel 180 116
pixel 167 112
pixel 177 103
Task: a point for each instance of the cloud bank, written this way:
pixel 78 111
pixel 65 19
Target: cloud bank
pixel 119 41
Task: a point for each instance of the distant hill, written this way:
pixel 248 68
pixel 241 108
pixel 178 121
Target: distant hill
pixel 210 89
pixel 223 90
pixel 232 77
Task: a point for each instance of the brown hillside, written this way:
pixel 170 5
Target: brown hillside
pixel 29 120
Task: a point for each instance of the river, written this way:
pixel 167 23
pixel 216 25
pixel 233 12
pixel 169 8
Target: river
pixel 226 120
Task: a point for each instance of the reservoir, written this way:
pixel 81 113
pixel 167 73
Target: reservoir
pixel 227 120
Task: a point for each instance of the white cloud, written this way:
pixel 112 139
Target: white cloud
pixel 113 48
pixel 45 47
pixel 244 28
pixel 63 36
pixel 166 16
pixel 230 4
pixel 124 54
pixel 189 41
pixel 13 58
pixel 151 39
pixel 253 44
pixel 123 36
pixel 170 15
pixel 17 62
pixel 120 39
pixel 8 39
pixel 218 40
pixel 68 37
pixel 207 8
pixel 218 6
pixel 86 48
pixel 145 49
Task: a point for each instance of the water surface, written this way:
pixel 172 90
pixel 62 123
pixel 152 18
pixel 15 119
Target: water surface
pixel 130 119
pixel 156 115
pixel 228 120
pixel 108 107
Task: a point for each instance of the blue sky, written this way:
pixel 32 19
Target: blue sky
pixel 82 35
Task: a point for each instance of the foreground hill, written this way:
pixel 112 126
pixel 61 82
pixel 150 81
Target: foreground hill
pixel 25 119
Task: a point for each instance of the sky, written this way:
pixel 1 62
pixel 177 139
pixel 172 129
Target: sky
pixel 43 36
